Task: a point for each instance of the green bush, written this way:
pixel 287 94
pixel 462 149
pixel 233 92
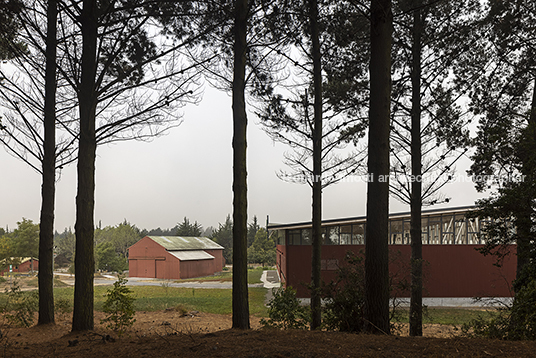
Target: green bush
pixel 493 326
pixel 119 307
pixel 517 322
pixel 523 317
pixel 20 306
pixel 62 306
pixel 345 297
pixel 285 311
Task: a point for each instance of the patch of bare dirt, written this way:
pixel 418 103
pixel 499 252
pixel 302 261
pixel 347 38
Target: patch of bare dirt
pixel 170 334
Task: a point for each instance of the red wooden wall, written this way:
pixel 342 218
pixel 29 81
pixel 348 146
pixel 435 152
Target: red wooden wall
pixel 146 259
pixel 219 261
pixel 24 267
pixel 197 268
pixel 449 270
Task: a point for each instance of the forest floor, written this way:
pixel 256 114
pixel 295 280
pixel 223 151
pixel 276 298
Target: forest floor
pixel 169 333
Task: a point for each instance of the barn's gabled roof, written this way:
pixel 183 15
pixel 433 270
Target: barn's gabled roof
pixel 174 243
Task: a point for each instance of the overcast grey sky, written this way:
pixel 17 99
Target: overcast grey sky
pixel 188 173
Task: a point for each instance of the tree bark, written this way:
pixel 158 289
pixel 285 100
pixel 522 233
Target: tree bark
pixel 376 246
pixel 240 228
pixel 415 308
pixel 316 306
pixel 48 188
pixel 524 221
pixel 84 262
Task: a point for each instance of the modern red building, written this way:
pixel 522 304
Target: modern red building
pixel 453 267
pixel 175 257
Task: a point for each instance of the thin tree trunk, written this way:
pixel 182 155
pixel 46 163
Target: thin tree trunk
pixel 240 226
pixel 316 306
pixel 46 225
pixel 376 246
pixel 415 308
pixel 84 263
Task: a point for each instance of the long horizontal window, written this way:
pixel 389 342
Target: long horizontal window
pixel 441 229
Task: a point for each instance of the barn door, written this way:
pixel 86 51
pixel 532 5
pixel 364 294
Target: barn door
pixel 149 269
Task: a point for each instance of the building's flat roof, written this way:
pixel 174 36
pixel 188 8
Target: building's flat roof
pixel 363 219
pixel 173 243
pixel 192 255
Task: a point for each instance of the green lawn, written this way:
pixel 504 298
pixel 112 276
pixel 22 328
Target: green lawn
pixel 254 276
pixel 155 298
pixel 219 301
pixel 220 277
pixel 447 316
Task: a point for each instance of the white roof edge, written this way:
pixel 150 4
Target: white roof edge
pixel 191 255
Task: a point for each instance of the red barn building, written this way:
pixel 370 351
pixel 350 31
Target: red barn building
pixel 21 264
pixel 175 257
pixel 453 268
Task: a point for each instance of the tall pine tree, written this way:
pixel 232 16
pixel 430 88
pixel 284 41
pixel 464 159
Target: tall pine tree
pixel 376 245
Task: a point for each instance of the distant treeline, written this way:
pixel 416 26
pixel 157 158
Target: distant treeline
pixel 112 242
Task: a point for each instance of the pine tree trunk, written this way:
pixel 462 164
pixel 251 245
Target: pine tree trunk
pixel 316 304
pixel 46 222
pixel 524 222
pixel 376 246
pixel 84 263
pixel 240 228
pixel 415 308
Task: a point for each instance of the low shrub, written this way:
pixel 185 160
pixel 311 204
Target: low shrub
pixel 345 297
pixel 20 307
pixel 516 322
pixel 62 306
pixel 285 310
pixel 119 307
